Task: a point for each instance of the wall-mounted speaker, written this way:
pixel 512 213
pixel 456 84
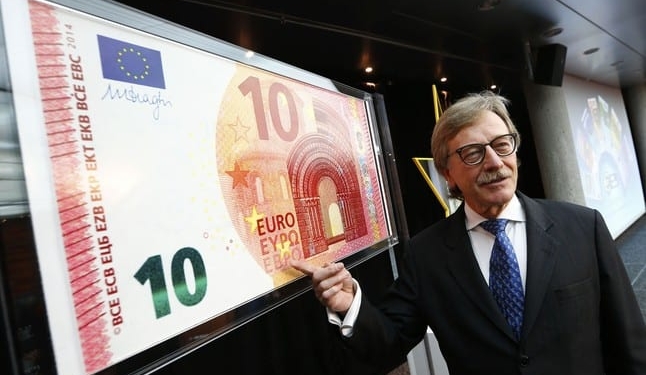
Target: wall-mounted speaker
pixel 550 62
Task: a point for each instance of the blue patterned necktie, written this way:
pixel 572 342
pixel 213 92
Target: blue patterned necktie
pixel 504 275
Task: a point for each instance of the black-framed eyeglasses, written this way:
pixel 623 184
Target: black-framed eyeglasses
pixel 474 154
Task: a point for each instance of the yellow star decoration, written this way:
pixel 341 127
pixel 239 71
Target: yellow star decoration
pixel 253 219
pixel 239 129
pixel 283 248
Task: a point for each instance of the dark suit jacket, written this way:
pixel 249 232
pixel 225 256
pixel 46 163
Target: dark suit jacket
pixel 581 314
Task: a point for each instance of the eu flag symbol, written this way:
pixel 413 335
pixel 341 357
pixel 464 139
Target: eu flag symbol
pixel 127 62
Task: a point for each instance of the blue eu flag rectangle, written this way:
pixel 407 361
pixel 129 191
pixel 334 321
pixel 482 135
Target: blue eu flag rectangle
pixel 127 62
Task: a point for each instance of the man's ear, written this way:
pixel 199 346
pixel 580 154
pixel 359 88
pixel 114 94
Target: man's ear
pixel 447 176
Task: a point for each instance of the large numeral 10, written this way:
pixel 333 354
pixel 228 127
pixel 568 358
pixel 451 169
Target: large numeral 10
pixel 252 85
pixel 152 270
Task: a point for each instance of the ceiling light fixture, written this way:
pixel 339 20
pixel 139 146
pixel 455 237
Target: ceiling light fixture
pixel 443 79
pixel 552 32
pixel 368 69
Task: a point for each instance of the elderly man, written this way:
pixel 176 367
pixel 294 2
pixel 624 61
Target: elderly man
pixel 508 284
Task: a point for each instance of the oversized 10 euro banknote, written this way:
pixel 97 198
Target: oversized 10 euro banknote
pixel 181 183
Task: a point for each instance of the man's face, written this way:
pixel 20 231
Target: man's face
pixel 487 187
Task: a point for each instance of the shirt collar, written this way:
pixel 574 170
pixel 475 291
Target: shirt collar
pixel 513 212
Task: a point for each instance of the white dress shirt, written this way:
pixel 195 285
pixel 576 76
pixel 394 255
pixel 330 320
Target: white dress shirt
pixel 482 241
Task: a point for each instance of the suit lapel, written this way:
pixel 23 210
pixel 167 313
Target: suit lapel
pixel 540 264
pixel 540 259
pixel 466 272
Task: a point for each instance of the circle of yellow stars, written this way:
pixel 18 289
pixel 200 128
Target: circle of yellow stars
pixel 128 73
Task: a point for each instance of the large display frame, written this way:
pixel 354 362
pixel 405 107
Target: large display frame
pixel 171 176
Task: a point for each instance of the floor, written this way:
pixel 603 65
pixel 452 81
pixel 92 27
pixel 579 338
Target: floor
pixel 632 249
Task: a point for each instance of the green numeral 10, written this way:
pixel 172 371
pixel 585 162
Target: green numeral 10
pixel 153 270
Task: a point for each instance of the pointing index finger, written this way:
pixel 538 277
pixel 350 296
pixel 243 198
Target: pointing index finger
pixel 303 266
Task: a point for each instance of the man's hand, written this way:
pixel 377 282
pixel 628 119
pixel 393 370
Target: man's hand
pixel 332 284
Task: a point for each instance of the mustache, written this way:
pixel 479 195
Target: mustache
pixel 487 177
